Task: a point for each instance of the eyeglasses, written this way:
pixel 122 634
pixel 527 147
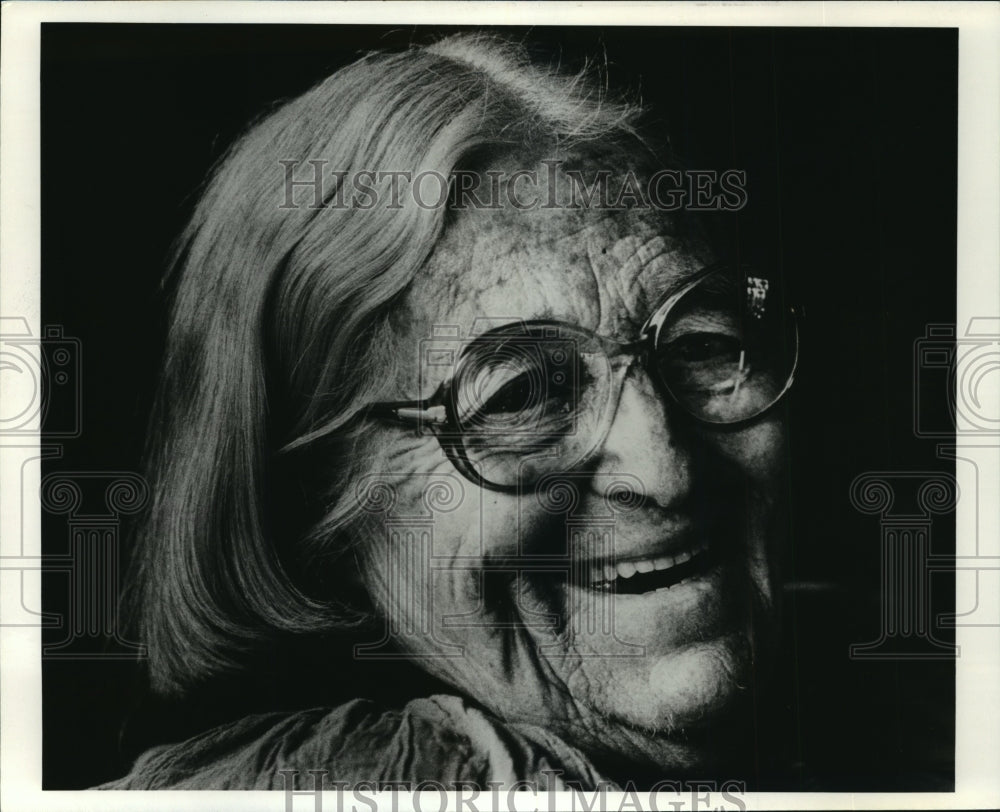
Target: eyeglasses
pixel 536 397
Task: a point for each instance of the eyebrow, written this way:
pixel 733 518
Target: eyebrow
pixel 679 279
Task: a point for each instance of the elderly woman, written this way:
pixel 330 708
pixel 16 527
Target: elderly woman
pixel 453 382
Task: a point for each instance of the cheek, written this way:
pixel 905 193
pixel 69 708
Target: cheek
pixel 759 456
pixel 407 460
pixel 425 527
pixel 758 453
pixel 406 478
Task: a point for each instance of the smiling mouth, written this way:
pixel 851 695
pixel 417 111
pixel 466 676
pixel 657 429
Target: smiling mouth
pixel 653 574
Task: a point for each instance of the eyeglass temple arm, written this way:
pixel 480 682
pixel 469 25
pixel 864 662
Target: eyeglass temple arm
pixel 411 411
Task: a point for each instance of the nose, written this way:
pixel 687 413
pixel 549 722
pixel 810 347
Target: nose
pixel 643 441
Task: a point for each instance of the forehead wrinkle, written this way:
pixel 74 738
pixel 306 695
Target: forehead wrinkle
pixel 485 252
pixel 638 273
pixel 671 269
pixel 600 270
pixel 537 264
pixel 647 275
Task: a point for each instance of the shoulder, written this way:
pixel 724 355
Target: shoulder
pixel 439 739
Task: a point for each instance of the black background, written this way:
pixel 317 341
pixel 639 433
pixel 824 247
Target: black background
pixel 849 139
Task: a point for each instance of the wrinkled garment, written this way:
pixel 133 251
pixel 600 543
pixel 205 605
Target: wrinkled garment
pixel 440 739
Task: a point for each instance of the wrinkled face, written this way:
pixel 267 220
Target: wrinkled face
pixel 663 639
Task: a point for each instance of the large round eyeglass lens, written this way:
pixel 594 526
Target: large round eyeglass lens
pixel 727 349
pixel 528 400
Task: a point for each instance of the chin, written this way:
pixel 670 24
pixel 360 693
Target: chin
pixel 673 714
pixel 679 657
pixel 688 689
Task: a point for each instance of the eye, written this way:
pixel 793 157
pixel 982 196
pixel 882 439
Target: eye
pixel 513 396
pixel 704 362
pixel 702 347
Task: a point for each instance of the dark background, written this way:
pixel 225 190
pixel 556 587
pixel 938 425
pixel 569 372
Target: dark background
pixel 849 139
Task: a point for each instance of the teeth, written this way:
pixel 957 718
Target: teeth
pixel 626 569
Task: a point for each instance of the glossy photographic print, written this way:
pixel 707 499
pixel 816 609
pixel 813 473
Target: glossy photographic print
pixel 475 410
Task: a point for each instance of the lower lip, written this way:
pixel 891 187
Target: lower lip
pixel 705 607
pixel 662 619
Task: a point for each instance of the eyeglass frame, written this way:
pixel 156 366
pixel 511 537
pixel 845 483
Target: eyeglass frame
pixel 436 411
